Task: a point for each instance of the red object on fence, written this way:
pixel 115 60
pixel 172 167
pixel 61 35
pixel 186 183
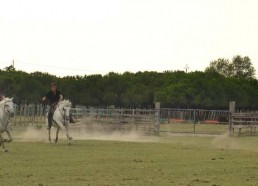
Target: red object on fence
pixel 211 122
pixel 177 121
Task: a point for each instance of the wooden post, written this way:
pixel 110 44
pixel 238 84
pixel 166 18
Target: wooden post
pixel 232 109
pixel 168 116
pixel 194 117
pixel 157 108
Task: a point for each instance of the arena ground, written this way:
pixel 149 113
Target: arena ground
pixel 129 159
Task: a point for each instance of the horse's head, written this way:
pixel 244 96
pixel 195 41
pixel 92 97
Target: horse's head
pixel 67 111
pixel 9 106
pixel 66 104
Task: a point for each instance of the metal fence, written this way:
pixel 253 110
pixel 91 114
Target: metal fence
pixel 128 119
pixel 148 120
pixel 29 114
pixel 198 121
pixel 194 116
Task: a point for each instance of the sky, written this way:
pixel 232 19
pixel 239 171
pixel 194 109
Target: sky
pixel 83 37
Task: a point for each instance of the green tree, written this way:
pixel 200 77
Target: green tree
pixel 239 67
pixel 222 66
pixel 243 67
pixel 222 82
pixel 10 68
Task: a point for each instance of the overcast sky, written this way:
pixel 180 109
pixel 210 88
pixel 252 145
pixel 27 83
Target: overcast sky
pixel 70 37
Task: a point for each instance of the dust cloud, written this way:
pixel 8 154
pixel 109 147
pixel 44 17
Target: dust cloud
pixel 224 141
pixel 32 134
pixel 248 143
pixel 130 136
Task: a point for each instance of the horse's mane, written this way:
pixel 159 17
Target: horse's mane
pixel 65 103
pixel 5 99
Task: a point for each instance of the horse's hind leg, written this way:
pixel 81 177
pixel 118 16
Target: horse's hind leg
pixel 2 142
pixel 57 131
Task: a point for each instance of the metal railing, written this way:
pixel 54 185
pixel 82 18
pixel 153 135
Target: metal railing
pixel 151 120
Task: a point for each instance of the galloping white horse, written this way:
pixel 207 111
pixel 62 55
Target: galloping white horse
pixel 61 119
pixel 6 111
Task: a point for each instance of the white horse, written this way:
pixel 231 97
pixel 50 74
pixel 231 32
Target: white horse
pixel 6 111
pixel 61 118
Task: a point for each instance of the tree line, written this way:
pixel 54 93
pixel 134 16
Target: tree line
pixel 221 82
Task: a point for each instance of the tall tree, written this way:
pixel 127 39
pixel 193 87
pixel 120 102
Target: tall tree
pixel 222 66
pixel 10 68
pixel 239 67
pixel 243 67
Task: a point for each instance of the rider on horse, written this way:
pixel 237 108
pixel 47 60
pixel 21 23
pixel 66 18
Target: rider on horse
pixel 53 97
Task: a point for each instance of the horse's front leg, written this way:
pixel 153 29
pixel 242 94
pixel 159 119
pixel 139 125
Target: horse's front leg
pixel 9 136
pixel 69 138
pixel 49 135
pixel 57 131
pixel 2 143
pixel 67 130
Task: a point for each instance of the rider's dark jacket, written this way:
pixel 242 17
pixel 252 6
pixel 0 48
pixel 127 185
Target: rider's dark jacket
pixel 53 97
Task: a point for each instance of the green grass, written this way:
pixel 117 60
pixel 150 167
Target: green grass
pixel 167 160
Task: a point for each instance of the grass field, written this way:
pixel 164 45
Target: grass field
pixel 131 160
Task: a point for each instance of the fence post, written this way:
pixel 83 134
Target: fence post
pixel 157 108
pixel 168 116
pixel 232 109
pixel 194 112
